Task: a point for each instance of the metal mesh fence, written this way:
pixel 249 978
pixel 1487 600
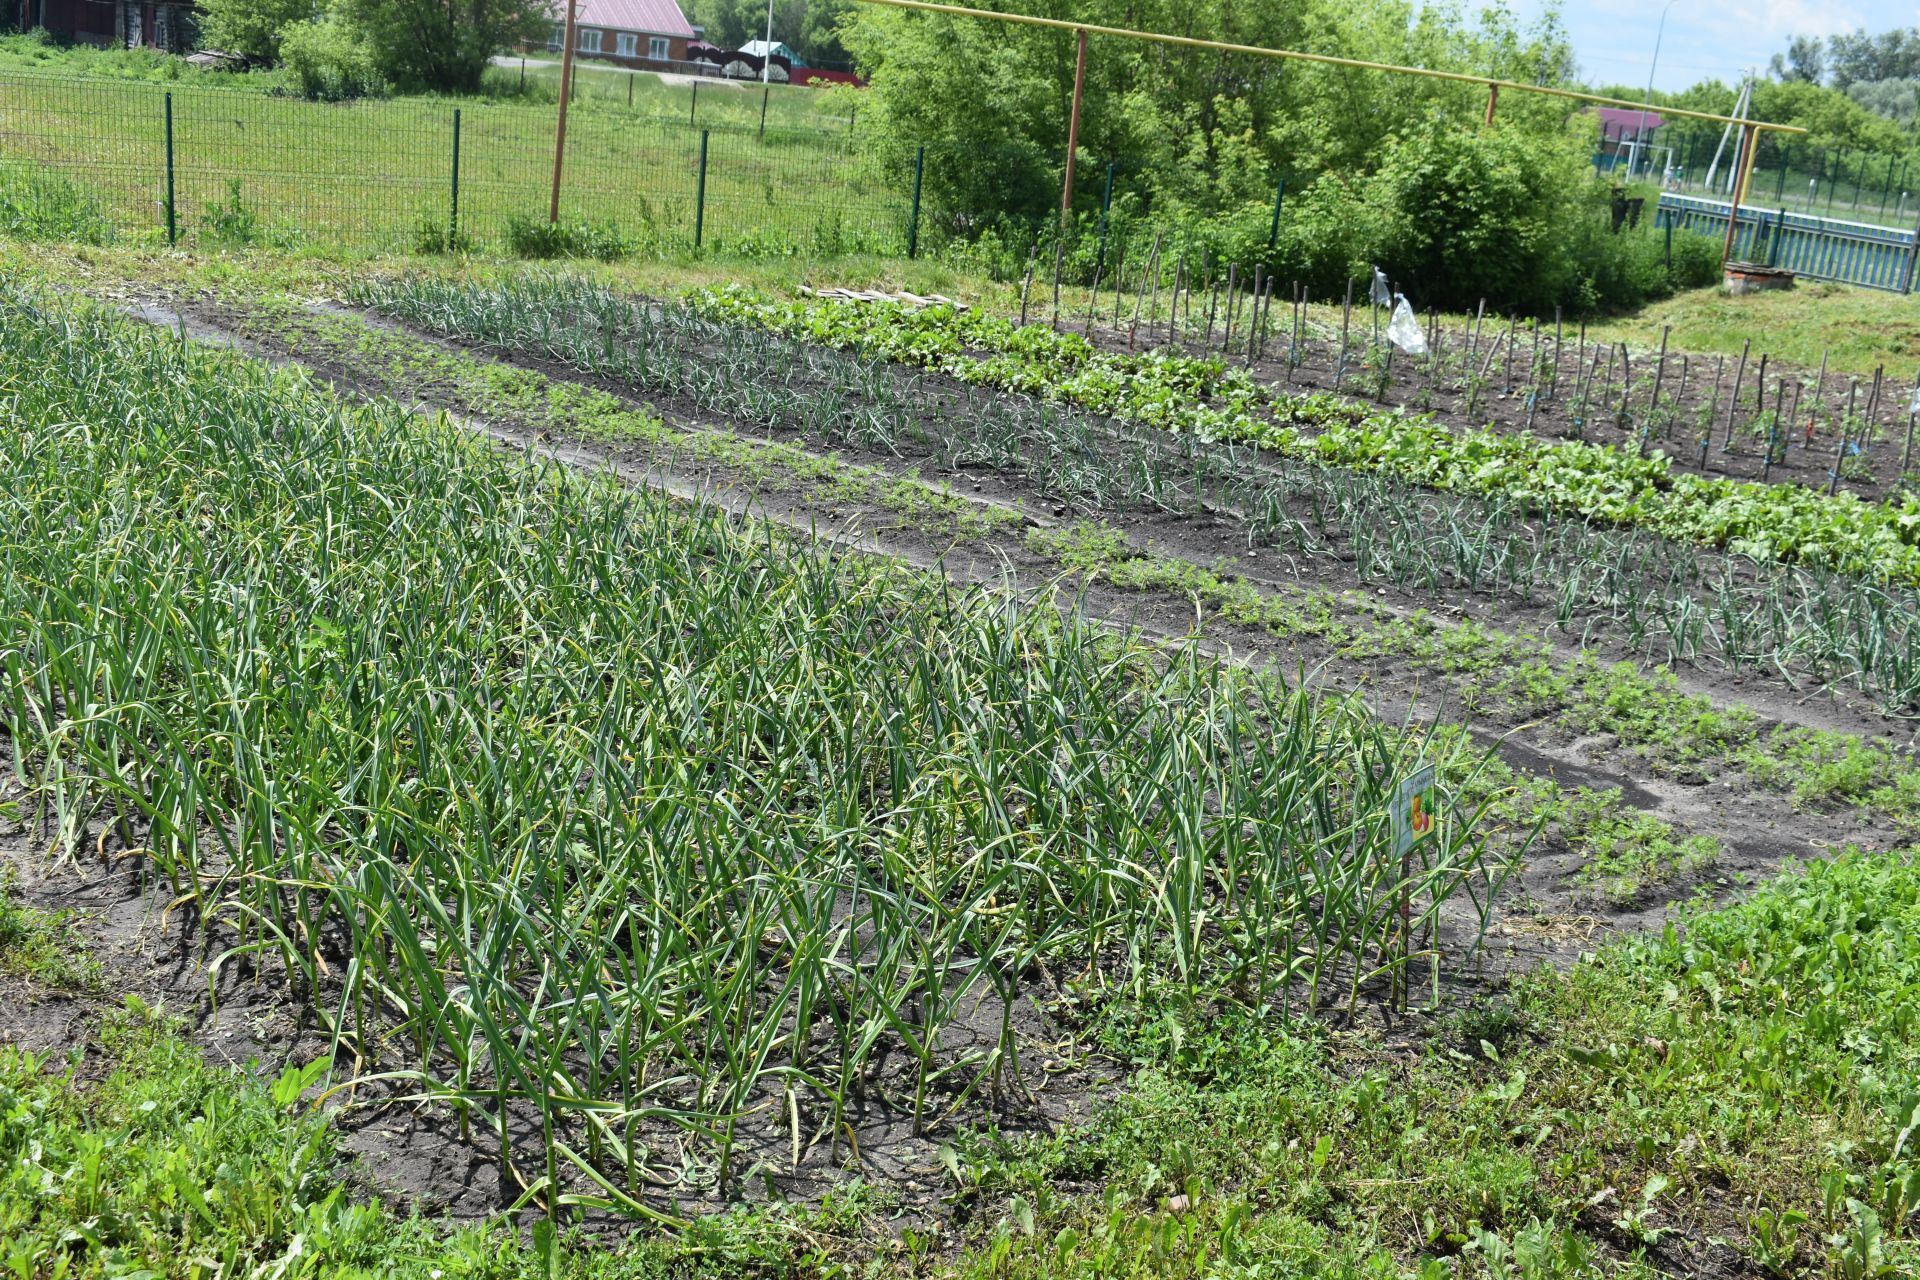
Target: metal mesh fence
pixel 1790 172
pixel 383 173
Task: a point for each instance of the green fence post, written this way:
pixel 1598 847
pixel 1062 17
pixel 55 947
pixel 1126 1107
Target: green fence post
pixel 700 194
pixel 1273 233
pixel 172 228
pixel 766 91
pixel 1779 230
pixel 1669 222
pixel 630 76
pixel 913 227
pixel 693 108
pixel 453 220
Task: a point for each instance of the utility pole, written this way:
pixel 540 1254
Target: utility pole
pixel 766 55
pixel 1640 138
pixel 560 131
pixel 1073 128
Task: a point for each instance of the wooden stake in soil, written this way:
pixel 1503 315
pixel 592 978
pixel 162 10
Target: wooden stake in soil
pixel 1213 304
pixel 1093 303
pixel 1533 371
pixel 1580 361
pixel 1293 333
pixel 1733 401
pixel 1623 415
pixel 1607 387
pixel 1819 394
pixel 1913 410
pixel 1173 303
pixel 1153 306
pixel 1513 323
pixel 1233 285
pixel 1680 396
pixel 1253 329
pixel 1059 260
pixel 1266 324
pixel 1659 372
pixel 1026 286
pixel 1840 448
pixel 1554 394
pixel 1793 416
pixel 1870 432
pixel 1346 322
pixel 1713 409
pixel 1773 430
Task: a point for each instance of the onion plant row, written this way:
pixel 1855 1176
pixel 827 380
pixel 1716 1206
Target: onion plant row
pixel 1205 395
pixel 561 802
pixel 1659 596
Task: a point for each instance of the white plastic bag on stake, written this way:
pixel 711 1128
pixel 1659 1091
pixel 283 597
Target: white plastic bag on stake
pixel 1381 294
pixel 1404 330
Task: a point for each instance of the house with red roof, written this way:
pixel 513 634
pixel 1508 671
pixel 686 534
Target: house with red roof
pixel 651 35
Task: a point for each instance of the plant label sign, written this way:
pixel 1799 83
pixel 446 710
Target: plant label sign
pixel 1416 810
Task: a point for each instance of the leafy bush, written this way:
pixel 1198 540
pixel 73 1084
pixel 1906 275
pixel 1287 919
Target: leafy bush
pixel 432 235
pixel 1696 260
pixel 252 28
pixel 231 222
pixel 1464 213
pixel 330 61
pixel 537 238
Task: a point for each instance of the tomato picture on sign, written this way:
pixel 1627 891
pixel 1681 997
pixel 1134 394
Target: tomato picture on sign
pixel 1416 809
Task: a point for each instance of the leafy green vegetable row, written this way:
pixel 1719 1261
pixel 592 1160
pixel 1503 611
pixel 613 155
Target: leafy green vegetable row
pixel 1202 395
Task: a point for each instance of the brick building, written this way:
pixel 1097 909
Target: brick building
pixel 650 35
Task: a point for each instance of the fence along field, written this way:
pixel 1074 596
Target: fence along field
pixel 374 172
pixel 562 804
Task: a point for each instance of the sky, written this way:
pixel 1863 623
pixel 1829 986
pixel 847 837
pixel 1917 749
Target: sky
pixel 1613 39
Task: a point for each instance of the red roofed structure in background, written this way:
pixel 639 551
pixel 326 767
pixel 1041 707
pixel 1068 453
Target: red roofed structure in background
pixel 1621 127
pixel 649 34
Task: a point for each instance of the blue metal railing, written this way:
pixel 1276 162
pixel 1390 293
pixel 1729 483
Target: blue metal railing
pixel 1819 248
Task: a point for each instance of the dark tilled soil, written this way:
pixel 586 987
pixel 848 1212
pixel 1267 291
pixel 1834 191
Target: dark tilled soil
pixel 1687 405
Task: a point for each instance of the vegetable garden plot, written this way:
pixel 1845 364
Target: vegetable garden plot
pixel 558 798
pixel 1178 440
pixel 1748 417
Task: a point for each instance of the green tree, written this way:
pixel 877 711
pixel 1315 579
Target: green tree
pixel 1194 130
pixel 808 27
pixel 1805 59
pixel 440 45
pixel 251 27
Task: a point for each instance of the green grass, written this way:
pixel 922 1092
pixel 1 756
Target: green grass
pixel 372 172
pixel 141 1159
pixel 42 205
pixel 42 944
pixel 718 102
pixel 1857 329
pixel 1747 1078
